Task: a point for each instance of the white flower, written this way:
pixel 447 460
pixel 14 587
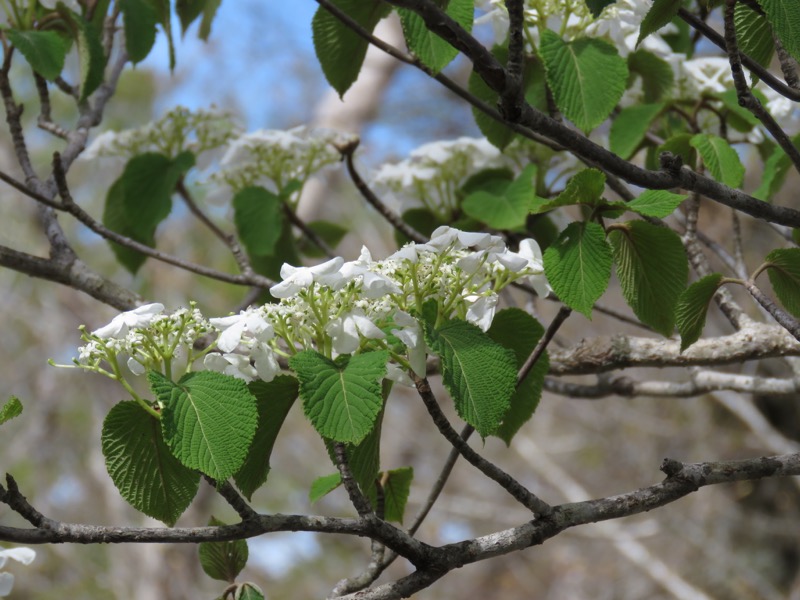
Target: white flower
pixel 444 236
pixel 296 279
pixel 411 336
pixel 373 285
pixel 346 332
pixel 265 361
pixel 248 322
pixel 138 317
pixel 529 249
pixel 481 311
pixel 23 555
pixel 236 365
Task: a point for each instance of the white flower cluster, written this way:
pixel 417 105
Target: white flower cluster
pixel 433 173
pixel 336 307
pixel 146 338
pixel 22 555
pixel 178 130
pixel 273 158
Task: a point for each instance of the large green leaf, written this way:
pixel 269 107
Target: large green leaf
pixel 12 408
pixel 719 158
pixel 258 215
pixel 533 80
pixel 656 74
pixel 223 560
pixel 141 465
pixel 148 183
pixel 659 15
pixel 432 50
pixel 273 399
pixel 396 488
pixel 208 420
pixel 339 49
pixel 45 51
pixel 578 265
pixel 784 274
pixel 652 270
pixel 115 218
pixel 585 187
pixel 508 210
pixel 341 398
pixel 753 34
pixel 140 20
pixel 656 203
pixel 630 126
pixel 518 331
pixel 477 371
pixel 784 16
pixel 587 77
pixel 690 312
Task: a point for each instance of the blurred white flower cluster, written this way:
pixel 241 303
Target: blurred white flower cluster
pixel 336 307
pixel 22 555
pixel 178 130
pixel 433 173
pixel 274 158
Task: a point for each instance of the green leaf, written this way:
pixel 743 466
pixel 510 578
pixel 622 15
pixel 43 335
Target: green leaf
pixel 652 270
pixel 597 6
pixel 141 465
pixel 630 126
pixel 518 331
pixel 329 232
pixel 690 312
pixel 776 168
pixel 681 145
pixel 188 11
pixel 322 486
pixel 784 275
pixel 533 79
pixel 162 8
pixel 140 20
pixel 421 220
pixel 659 15
pixel 432 50
pixel 478 372
pixel 396 488
pixel 754 34
pixel 342 399
pixel 12 408
pixel 719 158
pixel 258 215
pixel 587 77
pixel 738 117
pixel 45 51
pixel 339 49
pixel 223 560
pixel 274 399
pixel 504 211
pixel 90 51
pixel 656 74
pixel 656 203
pixel 585 187
pixel 784 17
pixel 248 591
pixel 148 183
pixel 208 17
pixel 578 266
pixel 116 219
pixel 208 420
